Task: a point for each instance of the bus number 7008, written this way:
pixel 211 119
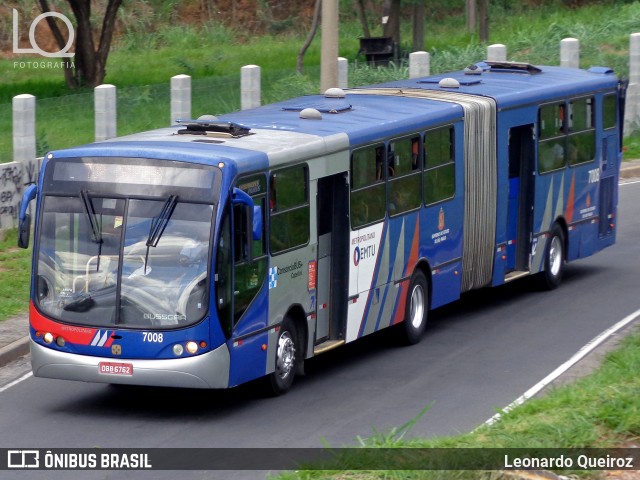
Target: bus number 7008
pixel 153 337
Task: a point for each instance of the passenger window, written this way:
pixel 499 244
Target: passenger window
pixel 610 111
pixel 289 209
pixel 567 134
pixel 405 185
pixel 369 167
pixel 439 174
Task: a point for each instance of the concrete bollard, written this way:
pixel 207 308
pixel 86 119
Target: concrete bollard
pixel 250 87
pixel 343 72
pixel 180 98
pixel 419 64
pixel 570 53
pixel 24 128
pixel 497 53
pixel 632 108
pixel 105 112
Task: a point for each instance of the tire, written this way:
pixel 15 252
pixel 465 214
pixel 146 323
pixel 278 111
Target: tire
pixel 416 309
pixel 287 358
pixel 554 259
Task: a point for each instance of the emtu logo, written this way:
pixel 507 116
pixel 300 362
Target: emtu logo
pixel 35 48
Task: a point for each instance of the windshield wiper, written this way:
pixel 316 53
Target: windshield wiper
pixel 158 225
pixel 96 233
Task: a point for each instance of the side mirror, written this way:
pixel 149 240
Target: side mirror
pixel 24 218
pixel 252 215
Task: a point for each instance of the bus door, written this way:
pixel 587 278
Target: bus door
pixel 333 251
pixel 520 208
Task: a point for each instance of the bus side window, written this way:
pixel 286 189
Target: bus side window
pixel 405 187
pixel 610 111
pixel 367 198
pixel 439 173
pixel 581 143
pixel 551 137
pixel 290 215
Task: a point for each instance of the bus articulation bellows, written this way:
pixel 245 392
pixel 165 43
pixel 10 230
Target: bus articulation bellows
pixel 221 250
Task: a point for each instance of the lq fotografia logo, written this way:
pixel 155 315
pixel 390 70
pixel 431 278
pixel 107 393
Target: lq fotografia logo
pixel 35 48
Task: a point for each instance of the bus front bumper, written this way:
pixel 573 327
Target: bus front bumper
pixel 209 370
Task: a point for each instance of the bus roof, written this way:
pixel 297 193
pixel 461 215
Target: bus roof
pixel 279 135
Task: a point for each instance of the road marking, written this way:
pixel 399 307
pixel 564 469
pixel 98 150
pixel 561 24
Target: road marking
pixel 16 381
pixel 622 183
pixel 580 354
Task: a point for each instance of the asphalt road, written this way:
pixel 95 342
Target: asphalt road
pixel 478 355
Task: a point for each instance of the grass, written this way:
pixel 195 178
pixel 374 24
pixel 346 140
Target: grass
pixel 152 47
pixel 15 271
pixel 598 411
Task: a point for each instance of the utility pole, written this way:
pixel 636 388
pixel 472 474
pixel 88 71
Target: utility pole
pixel 329 54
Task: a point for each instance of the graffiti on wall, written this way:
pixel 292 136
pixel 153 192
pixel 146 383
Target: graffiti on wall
pixel 12 182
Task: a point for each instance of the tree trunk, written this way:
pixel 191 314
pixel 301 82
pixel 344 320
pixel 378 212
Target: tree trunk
pixel 89 63
pixel 362 16
pixel 471 8
pixel 312 34
pixel 391 9
pixel 484 20
pixel 418 26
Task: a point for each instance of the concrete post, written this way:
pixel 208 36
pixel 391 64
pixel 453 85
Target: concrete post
pixel 343 72
pixel 24 128
pixel 419 64
pixel 180 98
pixel 497 53
pixel 570 53
pixel 632 107
pixel 329 45
pixel 105 112
pixel 250 87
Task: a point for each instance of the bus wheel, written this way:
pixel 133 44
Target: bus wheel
pixel 554 259
pixel 417 305
pixel 281 379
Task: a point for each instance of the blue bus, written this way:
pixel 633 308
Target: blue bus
pixel 223 250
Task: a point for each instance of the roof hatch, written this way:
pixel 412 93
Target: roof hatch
pixel 213 128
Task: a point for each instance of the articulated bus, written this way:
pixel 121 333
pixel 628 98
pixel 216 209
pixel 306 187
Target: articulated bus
pixel 223 250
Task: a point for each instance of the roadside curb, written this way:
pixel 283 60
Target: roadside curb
pixel 14 350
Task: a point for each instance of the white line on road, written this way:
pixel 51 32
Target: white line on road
pixel 588 348
pixel 15 382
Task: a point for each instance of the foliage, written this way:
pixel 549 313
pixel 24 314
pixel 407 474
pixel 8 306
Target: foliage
pixel 599 411
pixel 15 271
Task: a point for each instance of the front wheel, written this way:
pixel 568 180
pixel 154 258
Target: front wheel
pixel 287 352
pixel 416 308
pixel 554 259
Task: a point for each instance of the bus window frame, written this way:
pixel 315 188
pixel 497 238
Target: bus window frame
pixel 452 161
pixel 416 172
pixel 567 131
pixel 381 174
pixel 275 212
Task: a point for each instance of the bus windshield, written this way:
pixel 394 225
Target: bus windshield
pixel 108 260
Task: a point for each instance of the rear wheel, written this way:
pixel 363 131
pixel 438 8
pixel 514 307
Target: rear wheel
pixel 287 352
pixel 554 259
pixel 416 308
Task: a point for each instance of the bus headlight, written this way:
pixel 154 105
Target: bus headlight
pixel 192 347
pixel 177 349
pixel 60 341
pixel 48 338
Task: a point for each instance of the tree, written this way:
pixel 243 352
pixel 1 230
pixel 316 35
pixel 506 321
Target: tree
pixel 89 65
pixel 312 34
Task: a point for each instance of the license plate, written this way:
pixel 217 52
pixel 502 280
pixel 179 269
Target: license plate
pixel 114 368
